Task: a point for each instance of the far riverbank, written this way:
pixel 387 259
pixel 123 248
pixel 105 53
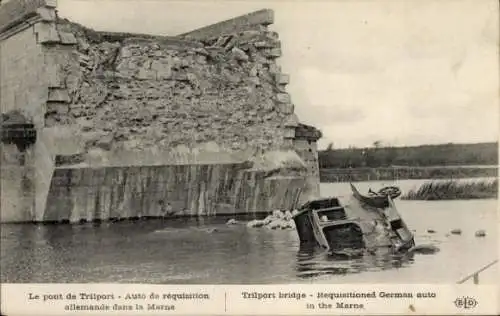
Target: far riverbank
pixel 407 173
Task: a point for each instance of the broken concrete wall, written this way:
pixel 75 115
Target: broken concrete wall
pixel 86 194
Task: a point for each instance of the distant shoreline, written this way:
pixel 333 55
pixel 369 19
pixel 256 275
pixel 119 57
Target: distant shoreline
pixel 468 157
pixel 407 173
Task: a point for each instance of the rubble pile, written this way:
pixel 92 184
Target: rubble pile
pixel 143 92
pixel 277 220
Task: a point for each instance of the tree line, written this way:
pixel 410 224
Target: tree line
pixel 415 156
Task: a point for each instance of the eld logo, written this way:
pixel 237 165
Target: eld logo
pixel 465 302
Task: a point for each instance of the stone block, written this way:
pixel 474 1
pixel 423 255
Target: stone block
pixel 57 107
pixel 125 52
pixel 220 41
pixel 83 45
pixel 283 98
pixel 231 43
pixel 267 105
pixel 163 71
pixel 51 3
pixel 272 53
pixel 180 76
pixel 281 88
pixel 85 124
pixel 274 68
pixel 259 59
pixel 282 79
pixel 145 74
pixel 254 71
pixel 201 51
pixel 288 143
pixel 255 81
pixel 106 142
pixel 54 77
pixel 272 35
pixel 67 38
pixel 184 63
pixel 59 119
pixel 201 59
pixel 286 108
pixel 47 33
pixel 192 78
pixel 249 35
pixel 268 44
pixel 240 55
pixel 58 95
pixel 289 132
pixel 245 22
pixel 84 59
pixel 46 14
pixel 50 121
pixel 292 121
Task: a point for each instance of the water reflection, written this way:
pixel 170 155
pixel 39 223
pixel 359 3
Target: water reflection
pixel 206 251
pixel 313 262
pixel 180 251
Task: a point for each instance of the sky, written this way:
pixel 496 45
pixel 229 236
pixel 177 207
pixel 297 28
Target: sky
pixel 401 73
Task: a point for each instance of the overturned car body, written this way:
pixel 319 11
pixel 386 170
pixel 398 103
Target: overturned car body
pixel 363 223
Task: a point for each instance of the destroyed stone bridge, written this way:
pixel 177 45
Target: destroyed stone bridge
pixel 100 125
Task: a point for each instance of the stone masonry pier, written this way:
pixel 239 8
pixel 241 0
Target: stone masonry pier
pixel 118 125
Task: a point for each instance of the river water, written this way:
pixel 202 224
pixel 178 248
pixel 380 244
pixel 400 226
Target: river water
pixel 200 251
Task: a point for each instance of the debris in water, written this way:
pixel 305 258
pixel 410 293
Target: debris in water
pixel 268 220
pixel 232 221
pixel 278 214
pixel 456 231
pixel 256 223
pixel 274 224
pixel 284 224
pixel 480 233
pixel 360 222
pixel 278 220
pixel 348 252
pixel 424 249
